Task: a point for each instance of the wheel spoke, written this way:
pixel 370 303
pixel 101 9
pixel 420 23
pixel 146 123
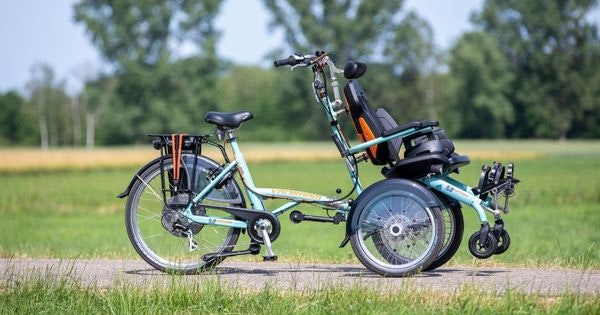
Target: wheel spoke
pixel 401 228
pixel 163 245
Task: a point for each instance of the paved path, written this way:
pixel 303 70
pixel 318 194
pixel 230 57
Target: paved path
pixel 290 276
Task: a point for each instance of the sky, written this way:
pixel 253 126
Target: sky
pixel 38 31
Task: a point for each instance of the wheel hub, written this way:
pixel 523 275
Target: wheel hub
pixel 396 230
pixel 174 222
pixel 395 227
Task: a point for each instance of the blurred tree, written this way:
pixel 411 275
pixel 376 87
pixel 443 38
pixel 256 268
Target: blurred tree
pixel 16 122
pixel 349 29
pixel 412 57
pixel 253 88
pixel 554 51
pixel 95 99
pixel 51 103
pixel 483 80
pixel 398 47
pixel 155 90
pixel 145 32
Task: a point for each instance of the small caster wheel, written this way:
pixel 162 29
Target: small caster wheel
pixel 503 242
pixel 485 249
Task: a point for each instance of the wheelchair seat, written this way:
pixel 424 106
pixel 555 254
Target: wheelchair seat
pixel 371 124
pixel 426 152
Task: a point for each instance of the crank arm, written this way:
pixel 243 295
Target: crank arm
pixel 254 249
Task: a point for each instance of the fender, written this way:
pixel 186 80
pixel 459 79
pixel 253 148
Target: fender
pixel 139 173
pixel 415 188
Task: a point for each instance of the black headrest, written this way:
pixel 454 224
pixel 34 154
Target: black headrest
pixel 354 70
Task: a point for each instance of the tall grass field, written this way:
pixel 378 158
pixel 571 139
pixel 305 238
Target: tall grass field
pixel 62 204
pixel 68 296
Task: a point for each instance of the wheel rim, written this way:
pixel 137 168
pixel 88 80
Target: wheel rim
pixel 449 230
pixel 396 230
pixel 160 245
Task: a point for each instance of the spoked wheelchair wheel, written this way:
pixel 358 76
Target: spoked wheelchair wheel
pixel 161 235
pixel 398 233
pixel 454 228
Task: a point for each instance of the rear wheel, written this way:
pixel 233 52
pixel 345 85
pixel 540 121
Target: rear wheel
pixel 397 233
pixel 454 227
pixel 161 234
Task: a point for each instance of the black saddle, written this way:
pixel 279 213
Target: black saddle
pixel 229 120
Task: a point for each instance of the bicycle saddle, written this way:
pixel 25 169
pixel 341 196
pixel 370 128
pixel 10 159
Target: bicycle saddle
pixel 229 120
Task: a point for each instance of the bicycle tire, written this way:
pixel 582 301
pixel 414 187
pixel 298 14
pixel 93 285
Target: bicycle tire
pixel 388 215
pixel 169 253
pixel 454 228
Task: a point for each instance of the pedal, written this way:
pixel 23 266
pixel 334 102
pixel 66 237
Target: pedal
pixel 270 258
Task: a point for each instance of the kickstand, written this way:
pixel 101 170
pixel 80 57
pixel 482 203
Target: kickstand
pixel 191 243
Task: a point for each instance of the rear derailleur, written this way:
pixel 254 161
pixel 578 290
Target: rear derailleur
pixel 175 223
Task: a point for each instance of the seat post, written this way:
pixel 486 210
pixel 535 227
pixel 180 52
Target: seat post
pixel 230 133
pixel 221 132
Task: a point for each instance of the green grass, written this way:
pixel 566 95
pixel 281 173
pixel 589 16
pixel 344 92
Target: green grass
pixel 554 219
pixel 47 295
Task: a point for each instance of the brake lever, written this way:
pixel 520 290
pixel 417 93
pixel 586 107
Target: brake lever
pixel 305 63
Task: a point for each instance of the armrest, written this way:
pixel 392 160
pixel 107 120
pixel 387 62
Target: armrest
pixel 412 124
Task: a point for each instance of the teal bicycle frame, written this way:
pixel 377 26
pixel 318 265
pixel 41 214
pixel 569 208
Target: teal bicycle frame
pixel 440 182
pixel 412 218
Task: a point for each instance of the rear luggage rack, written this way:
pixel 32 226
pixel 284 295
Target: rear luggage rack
pixel 173 146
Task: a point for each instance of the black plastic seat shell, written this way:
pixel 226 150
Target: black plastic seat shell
pixel 413 124
pixel 419 166
pixel 229 120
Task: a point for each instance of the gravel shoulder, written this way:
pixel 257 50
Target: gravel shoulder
pixel 300 277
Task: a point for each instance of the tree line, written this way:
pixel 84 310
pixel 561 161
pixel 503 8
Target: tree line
pixel 529 69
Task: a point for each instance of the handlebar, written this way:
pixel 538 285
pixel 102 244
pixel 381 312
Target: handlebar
pixel 291 60
pixel 298 60
pixel 319 61
pixel 295 60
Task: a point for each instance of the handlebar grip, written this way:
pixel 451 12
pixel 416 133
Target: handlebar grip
pixel 284 62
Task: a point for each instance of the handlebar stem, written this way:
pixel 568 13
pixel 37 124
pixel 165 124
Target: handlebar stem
pixel 319 61
pixel 337 102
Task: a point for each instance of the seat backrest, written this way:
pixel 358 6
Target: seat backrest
pixel 387 122
pixel 369 124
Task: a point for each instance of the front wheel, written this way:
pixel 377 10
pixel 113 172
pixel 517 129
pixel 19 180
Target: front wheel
pixel 397 233
pixel 483 249
pixel 159 232
pixel 503 242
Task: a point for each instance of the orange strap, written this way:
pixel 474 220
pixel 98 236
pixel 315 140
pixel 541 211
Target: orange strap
pixel 176 144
